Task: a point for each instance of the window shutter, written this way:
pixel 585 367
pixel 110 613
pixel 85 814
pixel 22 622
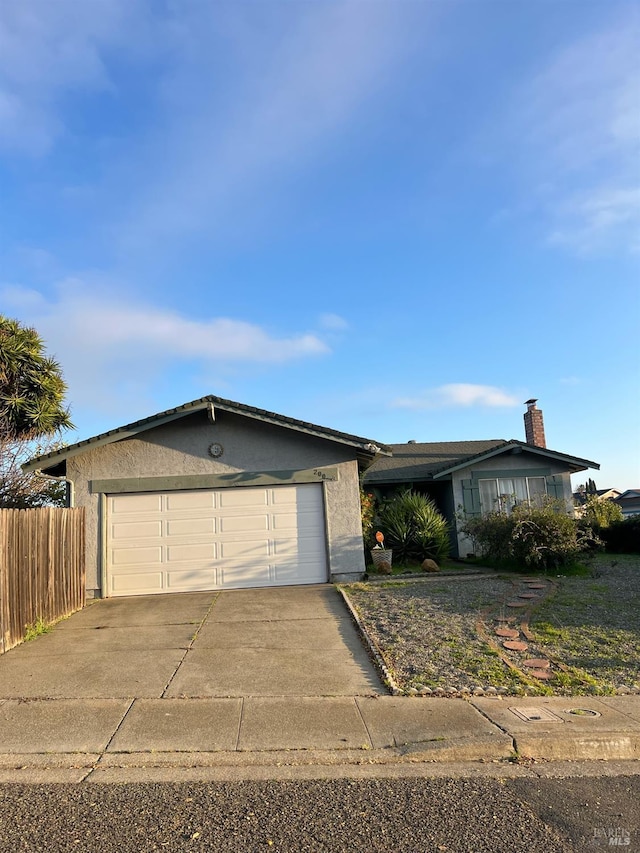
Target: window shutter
pixel 470 497
pixel 555 487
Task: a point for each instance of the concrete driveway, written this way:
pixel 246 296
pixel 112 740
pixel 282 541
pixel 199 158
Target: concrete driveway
pixel 287 641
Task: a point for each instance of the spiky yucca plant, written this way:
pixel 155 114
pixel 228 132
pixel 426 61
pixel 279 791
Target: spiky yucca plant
pixel 414 528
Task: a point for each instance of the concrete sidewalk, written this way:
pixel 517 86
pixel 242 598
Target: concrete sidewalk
pixel 231 685
pixel 118 739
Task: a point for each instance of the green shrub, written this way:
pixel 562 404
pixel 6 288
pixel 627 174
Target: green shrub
pixel 623 537
pixel 491 534
pixel 539 538
pixel 600 513
pixel 414 528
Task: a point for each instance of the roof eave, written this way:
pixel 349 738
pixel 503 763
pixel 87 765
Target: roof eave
pixel 574 463
pixel 366 449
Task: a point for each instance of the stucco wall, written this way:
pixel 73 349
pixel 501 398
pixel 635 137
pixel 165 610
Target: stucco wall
pixel 534 465
pixel 181 448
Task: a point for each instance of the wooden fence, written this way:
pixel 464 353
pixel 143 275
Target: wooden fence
pixel 42 570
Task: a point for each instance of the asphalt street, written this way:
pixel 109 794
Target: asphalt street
pixel 536 815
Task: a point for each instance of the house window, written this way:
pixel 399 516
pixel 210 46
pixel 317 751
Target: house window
pixel 503 493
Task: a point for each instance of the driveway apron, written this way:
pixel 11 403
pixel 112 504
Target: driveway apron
pixel 287 641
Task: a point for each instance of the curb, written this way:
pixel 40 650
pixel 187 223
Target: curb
pixel 375 654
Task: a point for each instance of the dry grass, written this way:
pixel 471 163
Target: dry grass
pixel 426 630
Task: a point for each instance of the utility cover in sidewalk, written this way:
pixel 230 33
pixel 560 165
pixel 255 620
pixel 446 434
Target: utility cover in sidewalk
pixel 583 712
pixel 536 715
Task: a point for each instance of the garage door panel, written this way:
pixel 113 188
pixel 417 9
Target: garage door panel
pixel 243 550
pixel 244 576
pixel 135 503
pixel 187 553
pixel 191 581
pixel 287 495
pixel 190 527
pixel 298 572
pixel 131 556
pixel 243 498
pixel 141 583
pixel 310 545
pixel 290 522
pixel 244 523
pixel 190 500
pixel 213 539
pixel 301 548
pixel 285 521
pixel 136 530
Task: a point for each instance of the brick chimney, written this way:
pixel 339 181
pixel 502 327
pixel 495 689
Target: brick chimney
pixel 534 425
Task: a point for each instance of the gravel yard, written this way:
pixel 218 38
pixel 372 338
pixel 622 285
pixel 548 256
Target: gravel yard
pixel 434 633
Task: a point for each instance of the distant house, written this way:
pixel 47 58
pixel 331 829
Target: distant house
pixel 580 498
pixel 629 502
pixel 476 477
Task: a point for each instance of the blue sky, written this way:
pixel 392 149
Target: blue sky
pixel 399 219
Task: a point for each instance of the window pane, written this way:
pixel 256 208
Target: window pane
pixel 507 493
pixel 537 490
pixel 505 486
pixel 488 495
pixel 520 489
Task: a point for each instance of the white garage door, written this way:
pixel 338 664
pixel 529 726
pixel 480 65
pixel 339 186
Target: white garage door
pixel 215 539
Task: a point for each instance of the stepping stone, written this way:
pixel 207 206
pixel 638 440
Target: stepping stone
pixel 542 674
pixel 536 586
pixel 536 663
pixel 510 633
pixel 516 603
pixel 528 595
pixel 515 645
pixel 502 618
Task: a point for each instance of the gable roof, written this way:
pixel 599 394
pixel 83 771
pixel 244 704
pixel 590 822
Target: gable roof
pixel 365 447
pixel 436 460
pixel 629 494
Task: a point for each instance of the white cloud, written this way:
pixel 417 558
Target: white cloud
pixel 589 221
pixel 458 395
pixel 105 342
pixel 333 322
pixel 575 136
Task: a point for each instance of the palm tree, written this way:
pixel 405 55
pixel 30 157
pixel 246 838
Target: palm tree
pixel 32 389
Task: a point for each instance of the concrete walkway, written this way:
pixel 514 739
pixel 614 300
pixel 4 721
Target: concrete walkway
pixel 227 685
